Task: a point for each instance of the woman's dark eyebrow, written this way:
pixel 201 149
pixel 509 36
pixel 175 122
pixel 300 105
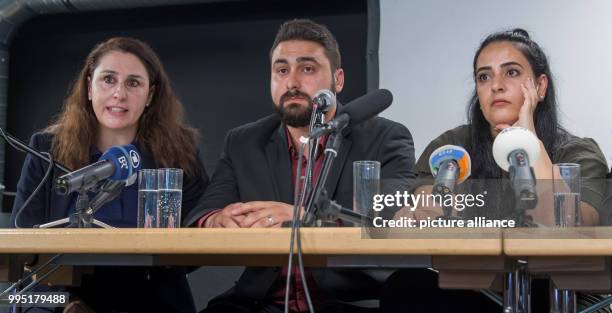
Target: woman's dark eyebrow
pixel 114 72
pixel 511 63
pixel 503 65
pixel 484 68
pixel 135 76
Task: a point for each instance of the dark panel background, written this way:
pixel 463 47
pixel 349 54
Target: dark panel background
pixel 215 54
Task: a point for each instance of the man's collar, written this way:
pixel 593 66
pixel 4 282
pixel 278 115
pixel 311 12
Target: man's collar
pixel 293 151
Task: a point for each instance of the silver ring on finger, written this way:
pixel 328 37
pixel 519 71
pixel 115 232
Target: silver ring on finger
pixel 270 220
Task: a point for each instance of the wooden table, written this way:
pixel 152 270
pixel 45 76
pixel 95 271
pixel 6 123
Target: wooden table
pixel 316 241
pixel 575 259
pixel 337 247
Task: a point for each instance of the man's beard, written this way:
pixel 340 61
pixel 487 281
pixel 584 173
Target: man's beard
pixel 294 114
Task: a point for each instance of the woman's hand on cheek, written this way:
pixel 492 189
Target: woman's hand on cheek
pixel 529 105
pixel 525 116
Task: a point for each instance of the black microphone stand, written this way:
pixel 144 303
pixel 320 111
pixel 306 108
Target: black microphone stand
pixel 84 209
pixel 317 119
pixel 444 185
pixel 327 210
pixel 517 282
pixel 319 207
pixel 334 141
pixel 523 183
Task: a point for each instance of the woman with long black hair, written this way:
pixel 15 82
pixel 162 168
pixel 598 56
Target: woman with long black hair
pixel 513 87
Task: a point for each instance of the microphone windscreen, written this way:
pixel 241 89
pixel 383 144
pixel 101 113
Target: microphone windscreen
pixel 515 138
pixel 126 161
pixel 367 106
pixel 451 152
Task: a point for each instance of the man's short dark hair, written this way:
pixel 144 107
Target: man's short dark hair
pixel 307 30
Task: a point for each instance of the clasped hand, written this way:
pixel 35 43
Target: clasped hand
pixel 252 214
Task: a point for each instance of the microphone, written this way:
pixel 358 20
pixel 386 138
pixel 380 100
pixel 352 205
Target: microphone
pixel 118 163
pixel 513 149
pixel 109 191
pixel 329 210
pixel 325 100
pixel 356 111
pixel 450 165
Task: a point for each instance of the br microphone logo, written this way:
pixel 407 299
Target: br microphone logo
pixel 135 158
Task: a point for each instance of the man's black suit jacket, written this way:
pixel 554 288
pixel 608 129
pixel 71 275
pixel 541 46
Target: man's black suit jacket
pixel 255 165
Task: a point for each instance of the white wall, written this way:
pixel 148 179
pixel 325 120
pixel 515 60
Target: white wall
pixel 427 46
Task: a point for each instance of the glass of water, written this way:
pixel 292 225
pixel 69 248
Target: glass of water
pixel 566 193
pixel 148 215
pixel 366 184
pixel 170 195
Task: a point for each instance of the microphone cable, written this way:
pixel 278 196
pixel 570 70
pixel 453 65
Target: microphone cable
pixel 23 147
pixel 299 196
pixel 11 141
pixel 37 189
pixel 298 200
pixel 306 183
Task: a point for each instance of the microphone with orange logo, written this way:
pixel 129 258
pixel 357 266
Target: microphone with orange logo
pixel 450 165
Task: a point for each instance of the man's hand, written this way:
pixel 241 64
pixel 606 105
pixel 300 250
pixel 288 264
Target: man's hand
pixel 263 213
pixel 224 218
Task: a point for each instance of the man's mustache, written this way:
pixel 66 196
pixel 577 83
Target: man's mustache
pixel 294 94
